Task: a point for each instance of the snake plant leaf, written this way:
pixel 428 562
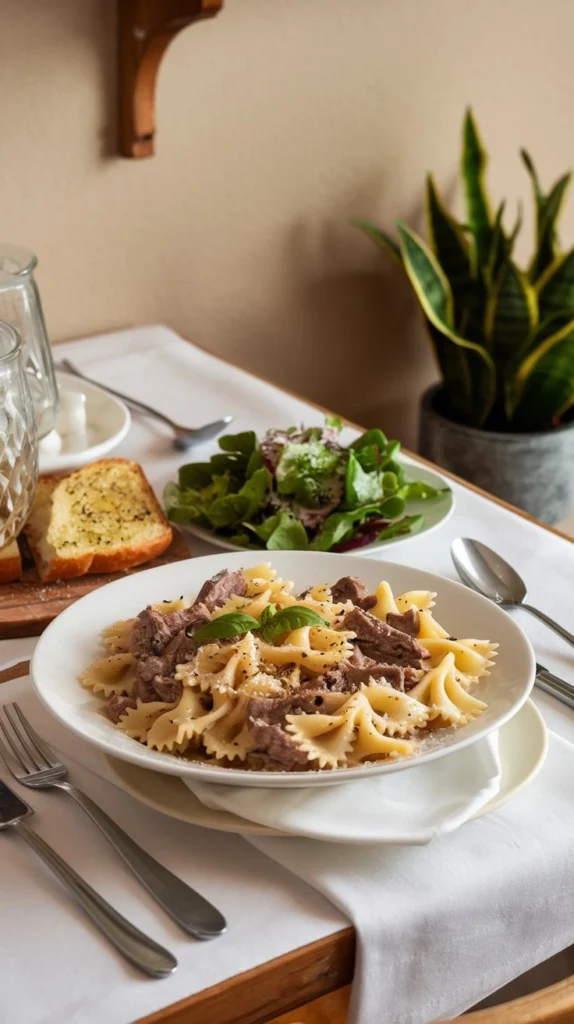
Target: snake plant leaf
pixel 446 237
pixel 454 366
pixel 511 314
pixel 546 382
pixel 555 288
pixel 381 239
pixel 498 246
pixel 474 160
pixel 546 239
pixel 435 297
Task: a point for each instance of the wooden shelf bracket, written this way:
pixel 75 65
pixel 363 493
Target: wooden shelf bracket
pixel 146 28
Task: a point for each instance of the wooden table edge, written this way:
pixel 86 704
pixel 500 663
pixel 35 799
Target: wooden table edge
pixel 319 967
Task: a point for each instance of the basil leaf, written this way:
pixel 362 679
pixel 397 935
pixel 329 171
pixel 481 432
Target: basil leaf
pixel 233 624
pixel 407 525
pixel 334 422
pixel 288 619
pixel 360 488
pixel 267 614
pixel 195 475
pixel 370 437
pixel 288 535
pixel 246 442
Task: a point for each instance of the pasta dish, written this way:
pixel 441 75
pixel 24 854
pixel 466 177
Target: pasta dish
pixel 250 675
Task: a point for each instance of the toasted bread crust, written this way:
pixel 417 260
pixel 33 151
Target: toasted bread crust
pixel 10 563
pixel 125 557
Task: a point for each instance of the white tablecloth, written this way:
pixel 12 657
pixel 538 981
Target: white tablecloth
pixel 195 387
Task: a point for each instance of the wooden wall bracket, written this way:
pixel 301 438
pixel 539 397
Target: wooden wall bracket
pixel 146 28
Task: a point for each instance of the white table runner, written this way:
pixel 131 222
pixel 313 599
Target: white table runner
pixel 158 367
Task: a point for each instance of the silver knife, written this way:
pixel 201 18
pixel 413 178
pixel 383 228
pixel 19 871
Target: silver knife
pixel 555 686
pixel 139 949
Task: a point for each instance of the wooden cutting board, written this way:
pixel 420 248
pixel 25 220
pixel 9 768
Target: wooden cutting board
pixel 28 605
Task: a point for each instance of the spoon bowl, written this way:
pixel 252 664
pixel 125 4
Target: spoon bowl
pixel 480 568
pixel 484 571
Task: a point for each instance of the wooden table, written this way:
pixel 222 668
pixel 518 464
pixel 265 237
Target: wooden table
pixel 299 977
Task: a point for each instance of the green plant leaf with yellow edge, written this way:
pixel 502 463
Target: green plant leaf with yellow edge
pixel 474 161
pixel 450 247
pixel 511 314
pixel 546 383
pixel 548 209
pixel 435 297
pixel 555 289
pixel 381 239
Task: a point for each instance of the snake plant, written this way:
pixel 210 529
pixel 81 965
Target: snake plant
pixel 503 335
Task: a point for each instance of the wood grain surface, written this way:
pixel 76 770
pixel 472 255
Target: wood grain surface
pixel 28 605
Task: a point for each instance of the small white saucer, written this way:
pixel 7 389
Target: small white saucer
pixel 522 747
pixel 107 423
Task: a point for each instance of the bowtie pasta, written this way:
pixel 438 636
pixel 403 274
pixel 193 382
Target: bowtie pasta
pixel 251 675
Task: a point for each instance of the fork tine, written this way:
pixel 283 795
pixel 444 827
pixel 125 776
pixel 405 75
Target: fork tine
pixel 12 753
pixel 43 749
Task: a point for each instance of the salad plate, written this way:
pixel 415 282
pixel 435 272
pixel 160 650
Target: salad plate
pixel 303 488
pixel 433 513
pixel 70 644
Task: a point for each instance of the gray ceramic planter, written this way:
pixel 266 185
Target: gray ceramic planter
pixel 532 471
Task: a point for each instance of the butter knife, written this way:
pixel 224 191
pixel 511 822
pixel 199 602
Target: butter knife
pixel 139 949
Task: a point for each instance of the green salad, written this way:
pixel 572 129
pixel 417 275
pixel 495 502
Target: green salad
pixel 300 489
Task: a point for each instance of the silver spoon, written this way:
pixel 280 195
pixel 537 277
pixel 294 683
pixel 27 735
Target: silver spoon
pixel 185 437
pixel 486 572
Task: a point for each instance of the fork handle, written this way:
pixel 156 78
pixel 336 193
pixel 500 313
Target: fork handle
pixel 192 912
pixel 135 403
pixel 136 947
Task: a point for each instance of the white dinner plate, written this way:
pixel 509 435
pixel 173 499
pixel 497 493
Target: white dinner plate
pixel 522 748
pixel 70 643
pixel 108 421
pixel 435 513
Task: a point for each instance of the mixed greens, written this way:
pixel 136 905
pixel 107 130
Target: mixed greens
pixel 300 489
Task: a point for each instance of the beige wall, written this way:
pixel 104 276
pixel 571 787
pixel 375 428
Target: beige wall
pixel 278 122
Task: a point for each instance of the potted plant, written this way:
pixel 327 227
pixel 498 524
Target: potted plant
pixel 503 415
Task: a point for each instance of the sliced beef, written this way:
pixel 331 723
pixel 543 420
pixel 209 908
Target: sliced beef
pixel 412 677
pixel 350 588
pixel 152 631
pixel 408 622
pixel 117 706
pixel 274 709
pixel 277 745
pixel 383 643
pixel 167 688
pixel 348 678
pixel 217 590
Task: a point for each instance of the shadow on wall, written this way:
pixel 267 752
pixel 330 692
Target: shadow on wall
pixel 359 345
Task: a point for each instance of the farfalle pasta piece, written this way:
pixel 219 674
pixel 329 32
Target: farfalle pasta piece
pixel 429 627
pixel 441 690
pixel 116 638
pixel 111 676
pixel 229 737
pixel 421 599
pixel 348 736
pixel 397 713
pixel 183 725
pixel 264 577
pixel 329 610
pixel 468 655
pixel 303 653
pixel 385 602
pixel 136 722
pixel 178 605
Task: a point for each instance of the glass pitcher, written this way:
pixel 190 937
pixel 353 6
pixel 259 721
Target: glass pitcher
pixel 21 307
pixel 18 444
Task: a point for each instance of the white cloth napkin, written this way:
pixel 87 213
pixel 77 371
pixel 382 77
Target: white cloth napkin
pixel 411 806
pixel 440 927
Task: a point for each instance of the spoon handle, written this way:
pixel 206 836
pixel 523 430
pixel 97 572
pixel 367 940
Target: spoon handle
pixel 568 637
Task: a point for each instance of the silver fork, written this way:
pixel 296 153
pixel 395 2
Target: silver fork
pixel 185 437
pixel 34 764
